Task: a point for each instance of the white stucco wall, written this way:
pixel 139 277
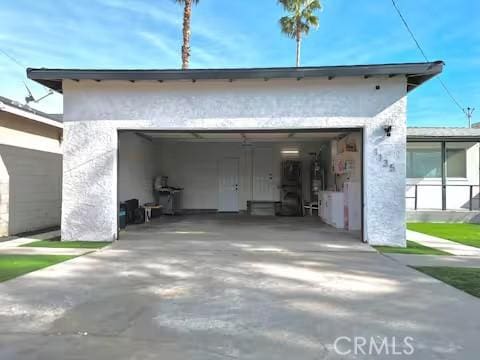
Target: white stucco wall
pixel 93 111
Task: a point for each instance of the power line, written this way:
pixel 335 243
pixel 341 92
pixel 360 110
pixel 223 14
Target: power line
pixel 18 62
pixel 449 93
pixel 410 31
pixel 451 96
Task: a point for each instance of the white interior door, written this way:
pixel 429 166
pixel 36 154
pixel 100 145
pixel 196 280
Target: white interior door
pixel 263 187
pixel 228 185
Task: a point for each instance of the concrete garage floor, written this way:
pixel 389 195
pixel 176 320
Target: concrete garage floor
pixel 261 291
pixel 224 231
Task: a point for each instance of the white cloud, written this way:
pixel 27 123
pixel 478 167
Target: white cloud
pixel 168 47
pixel 209 40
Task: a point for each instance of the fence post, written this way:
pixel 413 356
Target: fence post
pixel 444 175
pixel 416 196
pixel 470 204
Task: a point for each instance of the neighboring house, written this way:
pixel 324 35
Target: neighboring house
pixel 476 125
pixel 30 169
pixel 443 173
pixel 221 134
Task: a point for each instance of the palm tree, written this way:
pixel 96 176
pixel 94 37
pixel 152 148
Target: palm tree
pixel 300 19
pixel 187 14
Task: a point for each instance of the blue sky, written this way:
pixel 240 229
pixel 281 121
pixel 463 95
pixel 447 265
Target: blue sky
pixel 147 34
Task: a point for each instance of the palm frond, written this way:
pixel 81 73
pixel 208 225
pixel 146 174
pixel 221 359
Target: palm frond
pixel 313 5
pixel 288 26
pixel 304 27
pixel 288 5
pixel 301 16
pixel 183 1
pixel 313 20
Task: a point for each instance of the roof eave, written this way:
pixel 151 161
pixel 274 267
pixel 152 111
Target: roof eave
pixel 416 73
pixel 28 115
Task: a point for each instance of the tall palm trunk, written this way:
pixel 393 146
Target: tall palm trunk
pixel 299 41
pixel 187 13
pixel 299 45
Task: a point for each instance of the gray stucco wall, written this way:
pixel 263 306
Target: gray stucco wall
pixel 94 111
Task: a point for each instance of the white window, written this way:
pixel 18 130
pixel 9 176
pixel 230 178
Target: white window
pixel 424 160
pixel 456 163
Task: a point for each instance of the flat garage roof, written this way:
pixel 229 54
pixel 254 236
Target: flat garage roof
pixel 417 73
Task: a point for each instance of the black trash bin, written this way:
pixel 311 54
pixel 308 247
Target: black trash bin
pixel 123 216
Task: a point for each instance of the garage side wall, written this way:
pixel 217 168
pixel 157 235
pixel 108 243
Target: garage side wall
pixel 137 167
pixel 94 111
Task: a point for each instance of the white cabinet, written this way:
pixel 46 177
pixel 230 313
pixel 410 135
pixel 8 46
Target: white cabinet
pixel 332 208
pixel 353 207
pixel 322 212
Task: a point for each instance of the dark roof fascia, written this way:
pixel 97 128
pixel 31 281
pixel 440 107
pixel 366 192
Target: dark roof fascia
pixel 417 73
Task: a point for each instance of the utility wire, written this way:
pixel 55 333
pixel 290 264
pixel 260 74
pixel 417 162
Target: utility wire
pixel 449 93
pixel 410 30
pixel 12 58
pixel 19 63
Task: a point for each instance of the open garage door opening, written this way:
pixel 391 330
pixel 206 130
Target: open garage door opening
pixel 179 179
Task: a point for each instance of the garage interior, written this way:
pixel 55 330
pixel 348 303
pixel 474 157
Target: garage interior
pixel 179 180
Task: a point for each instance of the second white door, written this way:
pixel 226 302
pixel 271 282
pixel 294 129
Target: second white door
pixel 228 185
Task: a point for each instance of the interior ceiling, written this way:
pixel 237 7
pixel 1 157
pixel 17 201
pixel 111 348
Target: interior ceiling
pixel 242 136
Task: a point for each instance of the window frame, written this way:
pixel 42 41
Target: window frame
pixel 465 163
pixel 426 148
pixel 429 178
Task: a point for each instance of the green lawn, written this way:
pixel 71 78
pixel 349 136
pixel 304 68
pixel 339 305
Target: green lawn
pixel 468 234
pixel 15 265
pixel 412 248
pixel 56 243
pixel 466 279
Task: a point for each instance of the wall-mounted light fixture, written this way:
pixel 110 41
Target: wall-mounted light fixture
pixel 290 152
pixel 388 130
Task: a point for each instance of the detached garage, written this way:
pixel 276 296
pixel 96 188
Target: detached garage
pixel 237 140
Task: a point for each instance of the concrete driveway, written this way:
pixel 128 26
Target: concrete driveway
pixel 174 294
